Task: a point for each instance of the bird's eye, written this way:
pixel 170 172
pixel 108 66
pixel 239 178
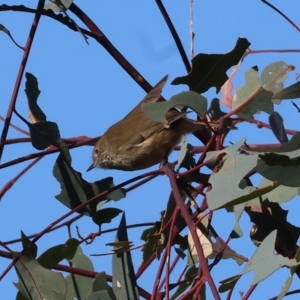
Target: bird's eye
pixel 96 150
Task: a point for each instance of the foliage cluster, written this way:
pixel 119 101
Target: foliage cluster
pixel 194 193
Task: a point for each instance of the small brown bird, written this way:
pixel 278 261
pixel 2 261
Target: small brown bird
pixel 137 142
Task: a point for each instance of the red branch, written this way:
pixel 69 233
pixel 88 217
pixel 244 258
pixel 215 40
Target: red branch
pixel 13 100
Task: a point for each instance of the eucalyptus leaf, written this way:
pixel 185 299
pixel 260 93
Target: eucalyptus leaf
pixel 276 123
pixel 75 190
pixel 272 78
pixel 124 281
pixel 36 282
pixel 4 29
pixel 58 7
pixel 209 70
pixel 32 91
pixel 290 92
pixel 77 284
pixel 232 169
pixel 105 215
pixel 158 110
pixel 284 168
pixel 252 98
pixel 264 262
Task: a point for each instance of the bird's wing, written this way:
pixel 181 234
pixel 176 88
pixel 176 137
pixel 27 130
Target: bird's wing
pixel 147 126
pixel 171 116
pixel 152 96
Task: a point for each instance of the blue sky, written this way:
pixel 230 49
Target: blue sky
pixel 84 91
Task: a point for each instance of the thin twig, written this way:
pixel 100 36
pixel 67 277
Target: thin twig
pixel 192 229
pixel 192 33
pixel 103 40
pixel 13 100
pixel 10 183
pixel 282 14
pixel 175 35
pixel 16 127
pixel 298 109
pixel 250 51
pixel 249 292
pixel 48 151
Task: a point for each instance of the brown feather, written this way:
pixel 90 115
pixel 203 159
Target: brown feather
pixel 137 142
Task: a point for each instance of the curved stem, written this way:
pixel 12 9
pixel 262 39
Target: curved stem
pixel 192 228
pixel 174 35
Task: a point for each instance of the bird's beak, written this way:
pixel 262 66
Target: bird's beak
pixel 92 166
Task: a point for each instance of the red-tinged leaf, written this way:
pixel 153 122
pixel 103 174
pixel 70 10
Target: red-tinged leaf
pixel 227 87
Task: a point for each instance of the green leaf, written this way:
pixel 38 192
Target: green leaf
pixel 43 134
pixel 100 295
pixel 83 284
pixel 212 246
pixel 35 282
pixel 120 246
pixel 282 168
pixel 186 158
pixel 124 282
pixel 214 111
pixel 285 288
pixel 228 283
pixel 264 262
pixel 100 284
pixel 105 215
pixel 59 8
pixel 4 29
pixel 276 123
pixel 147 233
pixel 30 249
pixel 290 92
pixel 158 110
pixel 252 98
pixel 280 194
pixel 32 91
pixel 209 70
pixel 51 257
pixel 225 183
pixel 152 237
pixel 20 296
pixel 254 194
pixel 289 281
pixel 237 230
pixel 272 78
pixel 75 190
